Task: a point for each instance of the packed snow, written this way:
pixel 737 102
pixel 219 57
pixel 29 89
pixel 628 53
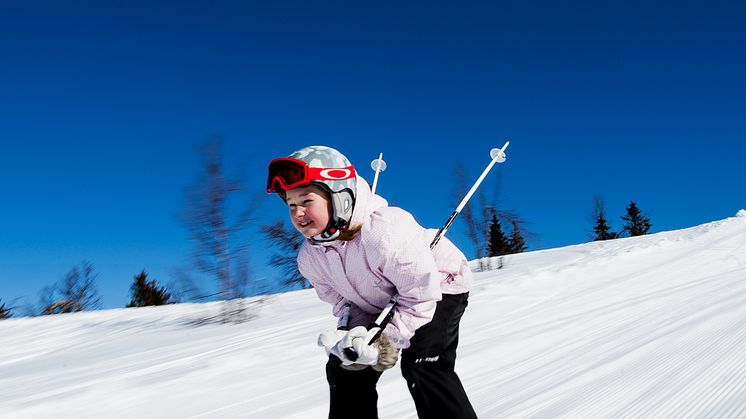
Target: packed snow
pixel 651 326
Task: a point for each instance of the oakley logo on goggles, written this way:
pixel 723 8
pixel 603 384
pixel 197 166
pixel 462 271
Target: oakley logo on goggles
pixel 289 173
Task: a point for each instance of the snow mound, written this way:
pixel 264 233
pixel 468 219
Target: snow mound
pixel 741 213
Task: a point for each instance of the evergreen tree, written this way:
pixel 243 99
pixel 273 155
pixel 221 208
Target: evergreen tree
pixel 601 227
pixel 147 293
pixel 498 243
pixel 636 224
pixel 4 311
pixel 516 243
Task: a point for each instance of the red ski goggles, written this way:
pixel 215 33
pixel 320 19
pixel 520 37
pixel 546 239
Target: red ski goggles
pixel 289 173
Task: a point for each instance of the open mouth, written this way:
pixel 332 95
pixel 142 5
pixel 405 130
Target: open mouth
pixel 305 223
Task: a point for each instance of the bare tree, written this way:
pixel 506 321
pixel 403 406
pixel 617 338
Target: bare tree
pixel 287 242
pixel 517 242
pixel 186 286
pixel 488 205
pixel 214 232
pixel 75 292
pixel 45 299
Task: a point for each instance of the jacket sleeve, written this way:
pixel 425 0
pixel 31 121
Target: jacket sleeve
pixel 402 256
pixel 323 290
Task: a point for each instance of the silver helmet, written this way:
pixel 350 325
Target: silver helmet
pixel 342 192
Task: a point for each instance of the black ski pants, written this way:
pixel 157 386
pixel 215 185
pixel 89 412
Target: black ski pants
pixel 427 365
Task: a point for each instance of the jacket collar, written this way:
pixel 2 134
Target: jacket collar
pixel 366 202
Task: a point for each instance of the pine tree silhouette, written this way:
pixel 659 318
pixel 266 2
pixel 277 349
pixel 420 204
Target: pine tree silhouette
pixel 636 224
pixel 147 293
pixel 516 243
pixel 4 311
pixel 602 229
pixel 498 244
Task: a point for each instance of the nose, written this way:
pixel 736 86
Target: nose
pixel 299 212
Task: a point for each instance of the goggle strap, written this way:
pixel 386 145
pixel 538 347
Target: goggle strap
pixel 309 174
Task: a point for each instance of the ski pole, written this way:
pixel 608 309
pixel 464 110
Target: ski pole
pixel 498 156
pixel 378 165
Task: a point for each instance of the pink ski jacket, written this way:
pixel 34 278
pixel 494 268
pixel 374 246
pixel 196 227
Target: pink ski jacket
pixel 390 255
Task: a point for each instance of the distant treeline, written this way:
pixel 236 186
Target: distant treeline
pixel 221 244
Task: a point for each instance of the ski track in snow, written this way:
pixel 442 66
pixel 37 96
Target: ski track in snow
pixel 652 326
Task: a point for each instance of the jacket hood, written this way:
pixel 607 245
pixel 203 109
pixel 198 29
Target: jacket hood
pixel 366 202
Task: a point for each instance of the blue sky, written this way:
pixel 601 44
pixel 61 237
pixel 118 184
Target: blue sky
pixel 102 104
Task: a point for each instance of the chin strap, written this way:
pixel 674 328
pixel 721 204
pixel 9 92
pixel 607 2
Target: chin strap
pixel 330 233
pixel 327 235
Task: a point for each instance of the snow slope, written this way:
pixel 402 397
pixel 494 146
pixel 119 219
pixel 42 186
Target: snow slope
pixel 652 326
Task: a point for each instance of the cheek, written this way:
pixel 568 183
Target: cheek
pixel 322 213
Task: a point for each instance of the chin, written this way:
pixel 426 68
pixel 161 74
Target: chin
pixel 307 233
pixel 311 233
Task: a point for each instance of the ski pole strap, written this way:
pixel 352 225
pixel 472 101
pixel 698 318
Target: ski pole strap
pixel 344 320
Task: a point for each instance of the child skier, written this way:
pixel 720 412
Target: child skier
pixel 359 252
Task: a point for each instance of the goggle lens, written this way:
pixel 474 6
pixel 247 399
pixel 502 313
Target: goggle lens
pixel 286 174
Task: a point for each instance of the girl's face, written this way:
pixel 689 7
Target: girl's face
pixel 309 208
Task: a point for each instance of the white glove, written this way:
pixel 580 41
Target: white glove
pixel 357 340
pixel 329 338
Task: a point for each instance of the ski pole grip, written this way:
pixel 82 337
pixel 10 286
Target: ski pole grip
pixel 351 354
